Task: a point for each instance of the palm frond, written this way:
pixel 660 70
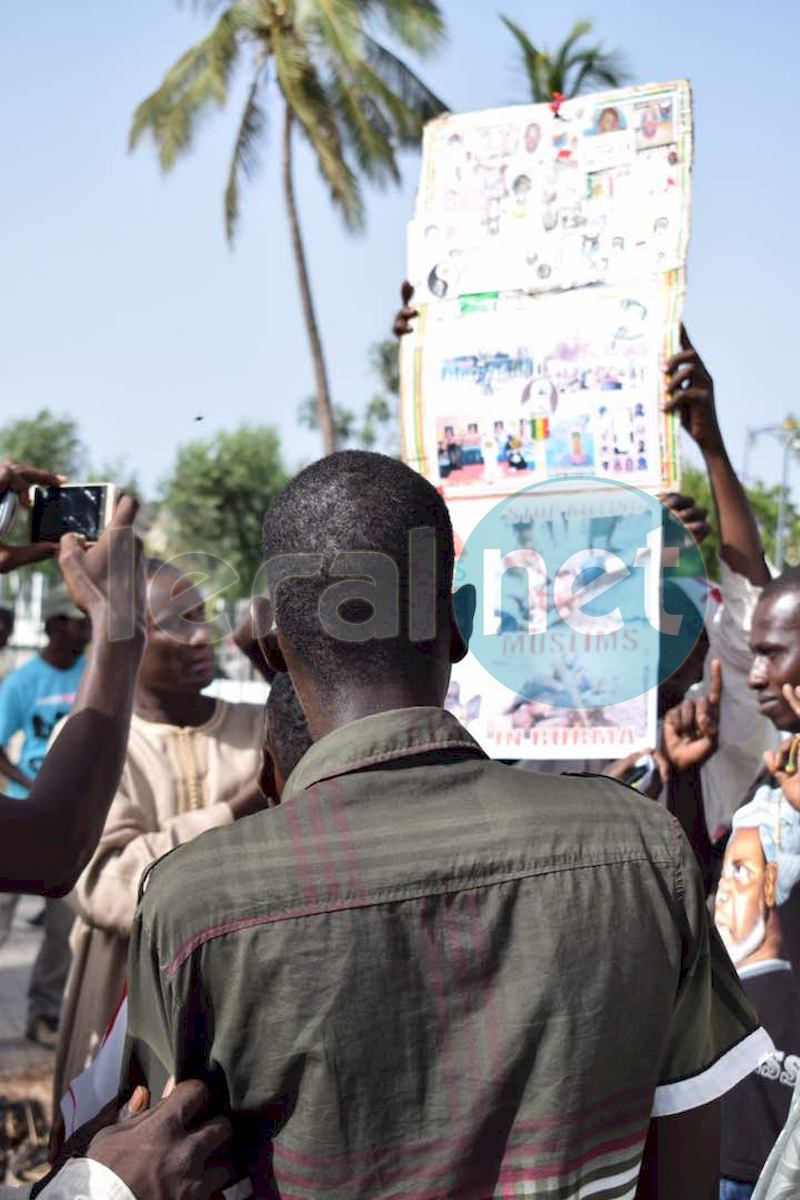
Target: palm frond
pixel 362 124
pixel 417 24
pixel 409 103
pixel 597 66
pixel 536 63
pixel 199 78
pixel 579 30
pixel 529 52
pixel 245 160
pixel 306 95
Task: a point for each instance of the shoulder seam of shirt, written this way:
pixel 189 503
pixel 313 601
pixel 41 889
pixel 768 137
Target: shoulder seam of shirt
pixel 375 897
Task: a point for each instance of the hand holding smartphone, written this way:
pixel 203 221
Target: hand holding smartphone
pixel 82 508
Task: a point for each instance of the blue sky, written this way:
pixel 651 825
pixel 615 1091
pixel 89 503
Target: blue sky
pixel 122 304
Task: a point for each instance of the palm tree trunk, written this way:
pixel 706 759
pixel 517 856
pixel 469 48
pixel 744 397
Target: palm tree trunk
pixel 324 407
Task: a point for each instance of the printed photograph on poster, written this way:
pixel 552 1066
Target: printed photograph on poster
pixel 510 726
pixel 518 198
pixel 543 387
pixel 536 684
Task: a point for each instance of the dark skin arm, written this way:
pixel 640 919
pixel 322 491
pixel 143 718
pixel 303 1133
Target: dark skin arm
pixel 10 770
pixel 681 1157
pixel 740 542
pixel 48 840
pixel 689 738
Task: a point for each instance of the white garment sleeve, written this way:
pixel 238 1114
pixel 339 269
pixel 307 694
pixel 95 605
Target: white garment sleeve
pixel 744 734
pixel 79 1179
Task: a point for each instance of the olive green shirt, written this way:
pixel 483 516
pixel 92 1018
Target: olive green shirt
pixel 427 975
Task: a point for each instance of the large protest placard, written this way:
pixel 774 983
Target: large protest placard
pixel 548 258
pixel 548 253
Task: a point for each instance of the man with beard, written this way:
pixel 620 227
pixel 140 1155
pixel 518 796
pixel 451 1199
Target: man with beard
pixel 191 765
pixel 747 919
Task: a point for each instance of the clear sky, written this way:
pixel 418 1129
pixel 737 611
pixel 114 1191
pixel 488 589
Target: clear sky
pixel 122 304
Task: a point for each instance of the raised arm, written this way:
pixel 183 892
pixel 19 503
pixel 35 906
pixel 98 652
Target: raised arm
pixel 691 393
pixel 49 838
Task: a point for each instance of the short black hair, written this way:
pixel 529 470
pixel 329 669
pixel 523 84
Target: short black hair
pixel 787 583
pixel 358 501
pixel 6 617
pixel 288 731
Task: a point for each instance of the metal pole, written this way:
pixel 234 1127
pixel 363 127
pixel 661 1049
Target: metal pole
pixel 780 533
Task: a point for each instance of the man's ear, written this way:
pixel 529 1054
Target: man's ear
pixel 770 884
pixel 272 652
pixel 462 619
pixel 267 777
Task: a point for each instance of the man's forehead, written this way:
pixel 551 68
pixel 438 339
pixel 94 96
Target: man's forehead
pixel 746 843
pixel 173 592
pixel 781 611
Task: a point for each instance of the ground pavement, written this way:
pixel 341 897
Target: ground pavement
pixel 25 1068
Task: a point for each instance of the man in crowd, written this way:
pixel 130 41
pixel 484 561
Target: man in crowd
pixel 191 765
pixel 46 841
pixel 746 914
pixel 758 902
pixel 33 699
pixel 413 974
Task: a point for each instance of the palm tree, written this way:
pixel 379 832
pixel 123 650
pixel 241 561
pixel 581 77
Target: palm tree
pixel 356 103
pixel 572 69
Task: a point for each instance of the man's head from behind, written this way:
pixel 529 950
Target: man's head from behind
pixel 359 560
pixel 775 644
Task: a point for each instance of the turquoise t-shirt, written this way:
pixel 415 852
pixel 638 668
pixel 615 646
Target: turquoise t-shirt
pixel 34 699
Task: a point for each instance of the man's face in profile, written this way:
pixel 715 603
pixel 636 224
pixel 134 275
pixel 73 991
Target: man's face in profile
pixel 775 644
pixel 745 896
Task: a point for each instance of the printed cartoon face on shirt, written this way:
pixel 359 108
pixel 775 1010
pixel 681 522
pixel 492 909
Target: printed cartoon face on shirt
pixel 745 913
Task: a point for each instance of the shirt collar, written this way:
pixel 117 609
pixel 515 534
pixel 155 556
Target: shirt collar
pixel 381 738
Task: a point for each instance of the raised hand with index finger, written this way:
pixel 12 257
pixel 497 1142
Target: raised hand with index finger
pixel 691 729
pixel 690 393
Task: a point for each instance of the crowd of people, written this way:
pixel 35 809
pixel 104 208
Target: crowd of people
pixel 359 958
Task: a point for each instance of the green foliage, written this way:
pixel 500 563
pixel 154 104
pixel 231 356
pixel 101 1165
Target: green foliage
pixel 356 102
pixel 765 501
pixel 46 441
pixel 215 500
pixel 571 69
pixel 377 426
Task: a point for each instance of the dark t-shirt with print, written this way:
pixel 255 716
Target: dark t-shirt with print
pixel 754 1113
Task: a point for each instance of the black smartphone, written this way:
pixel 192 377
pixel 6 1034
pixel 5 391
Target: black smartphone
pixel 641 773
pixel 82 508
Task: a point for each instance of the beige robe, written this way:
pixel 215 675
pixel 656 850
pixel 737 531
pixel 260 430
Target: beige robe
pixel 174 786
